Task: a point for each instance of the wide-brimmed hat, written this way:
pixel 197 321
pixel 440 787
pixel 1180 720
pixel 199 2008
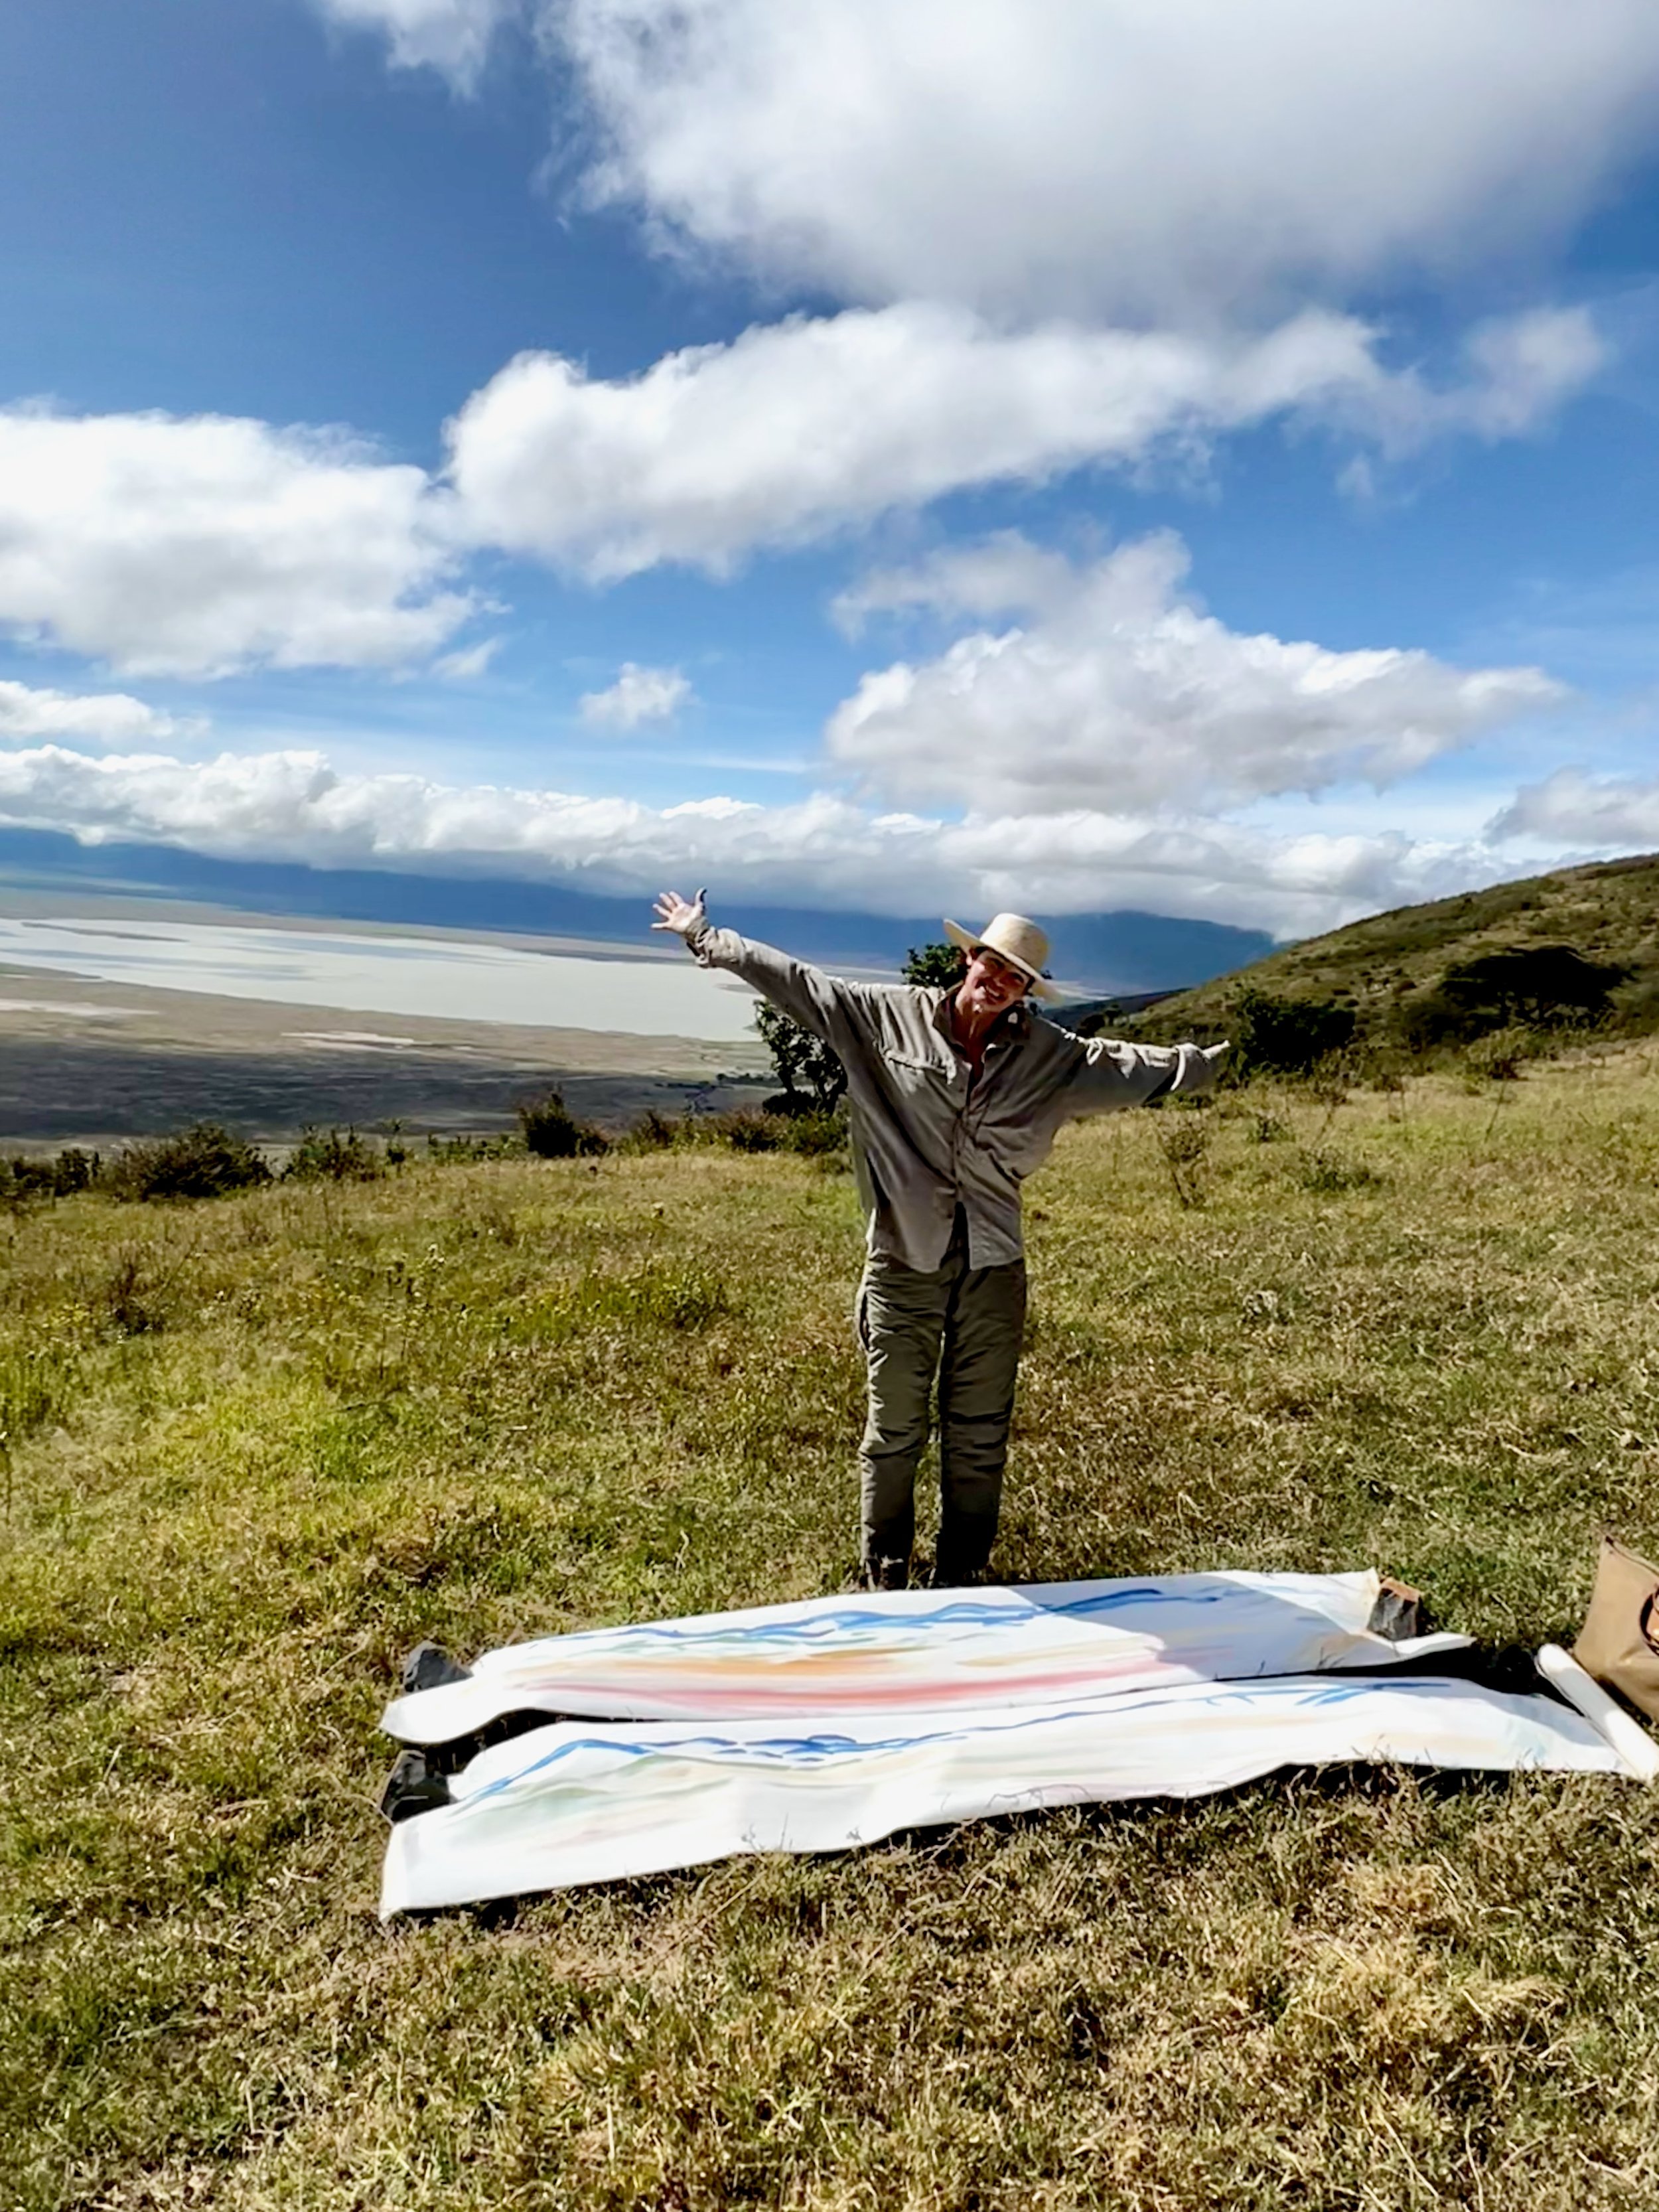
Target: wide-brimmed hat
pixel 1012 939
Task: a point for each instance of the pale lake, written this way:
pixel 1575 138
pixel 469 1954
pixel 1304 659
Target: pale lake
pixel 435 977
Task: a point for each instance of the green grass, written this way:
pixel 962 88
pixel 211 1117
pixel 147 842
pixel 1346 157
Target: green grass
pixel 255 1447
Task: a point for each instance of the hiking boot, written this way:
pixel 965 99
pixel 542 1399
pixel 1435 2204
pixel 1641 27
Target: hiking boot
pixel 945 1576
pixel 1399 1612
pixel 885 1574
pixel 411 1787
pixel 428 1666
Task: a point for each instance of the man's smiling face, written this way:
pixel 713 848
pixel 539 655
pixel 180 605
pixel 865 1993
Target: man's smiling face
pixel 989 988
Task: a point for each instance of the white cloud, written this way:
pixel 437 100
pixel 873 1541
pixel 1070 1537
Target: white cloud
pixel 826 851
pixel 108 718
pixel 451 35
pixel 992 576
pixel 639 694
pixel 467 665
pixel 1118 692
pixel 1156 158
pixel 1161 158
pixel 804 427
pixel 1517 371
pixel 1606 814
pixel 200 544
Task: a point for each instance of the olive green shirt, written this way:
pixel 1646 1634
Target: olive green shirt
pixel 929 1135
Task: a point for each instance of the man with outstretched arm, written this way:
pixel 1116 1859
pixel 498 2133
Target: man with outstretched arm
pixel 954 1095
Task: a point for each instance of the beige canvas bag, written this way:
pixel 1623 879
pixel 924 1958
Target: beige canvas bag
pixel 1619 1644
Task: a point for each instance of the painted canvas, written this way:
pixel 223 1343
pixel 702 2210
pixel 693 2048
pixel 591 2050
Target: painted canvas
pixel 575 1802
pixel 926 1650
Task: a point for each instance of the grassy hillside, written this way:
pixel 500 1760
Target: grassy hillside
pixel 257 1446
pixel 1609 912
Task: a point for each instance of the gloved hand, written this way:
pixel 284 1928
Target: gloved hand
pixel 684 917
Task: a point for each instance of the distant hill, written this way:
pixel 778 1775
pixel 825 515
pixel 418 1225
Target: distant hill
pixel 1124 952
pixel 1607 911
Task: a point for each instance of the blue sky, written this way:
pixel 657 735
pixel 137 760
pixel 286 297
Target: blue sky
pixel 1059 453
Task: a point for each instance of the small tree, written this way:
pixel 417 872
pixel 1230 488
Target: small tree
pixel 940 964
pixel 1534 985
pixel 813 1079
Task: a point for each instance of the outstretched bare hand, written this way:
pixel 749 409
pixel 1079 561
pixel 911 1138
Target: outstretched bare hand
pixel 683 916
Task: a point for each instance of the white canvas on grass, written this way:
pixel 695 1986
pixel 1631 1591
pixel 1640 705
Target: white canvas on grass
pixel 912 1651
pixel 576 1802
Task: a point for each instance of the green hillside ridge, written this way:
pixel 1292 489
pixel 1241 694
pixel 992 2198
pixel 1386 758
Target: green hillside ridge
pixel 254 1447
pixel 1607 911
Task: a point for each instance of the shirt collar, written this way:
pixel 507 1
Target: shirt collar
pixel 1012 1028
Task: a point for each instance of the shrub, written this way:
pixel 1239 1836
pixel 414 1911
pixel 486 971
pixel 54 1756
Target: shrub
pixel 1499 1056
pixel 459 1150
pixel 1290 1036
pixel 1429 1018
pixel 1635 1006
pixel 1321 1171
pixel 552 1131
pixel 747 1130
pixel 325 1156
pixel 205 1161
pixel 813 1134
pixel 24 1178
pixel 654 1131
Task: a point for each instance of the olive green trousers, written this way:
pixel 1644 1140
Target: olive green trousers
pixel 960 1327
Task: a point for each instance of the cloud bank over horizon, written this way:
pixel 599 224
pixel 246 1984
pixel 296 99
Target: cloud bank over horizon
pixel 825 851
pixel 1106 742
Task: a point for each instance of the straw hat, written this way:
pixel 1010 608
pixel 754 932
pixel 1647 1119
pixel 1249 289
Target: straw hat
pixel 1012 939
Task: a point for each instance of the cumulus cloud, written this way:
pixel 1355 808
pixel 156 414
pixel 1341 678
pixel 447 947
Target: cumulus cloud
pixel 1117 691
pixel 1606 814
pixel 1146 158
pixel 200 544
pixel 639 694
pixel 107 718
pixel 801 428
pixel 825 851
pixel 451 35
pixel 1143 158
